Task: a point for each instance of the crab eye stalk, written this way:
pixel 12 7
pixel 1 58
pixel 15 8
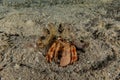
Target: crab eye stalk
pixel 60 28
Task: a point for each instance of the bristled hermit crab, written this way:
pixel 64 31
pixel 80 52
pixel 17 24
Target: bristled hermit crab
pixel 63 50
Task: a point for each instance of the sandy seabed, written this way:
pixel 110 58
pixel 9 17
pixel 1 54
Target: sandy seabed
pixel 94 21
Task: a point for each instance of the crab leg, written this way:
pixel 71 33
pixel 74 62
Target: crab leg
pixel 73 54
pixel 50 53
pixel 58 46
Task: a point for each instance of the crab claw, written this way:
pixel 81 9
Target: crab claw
pixel 65 59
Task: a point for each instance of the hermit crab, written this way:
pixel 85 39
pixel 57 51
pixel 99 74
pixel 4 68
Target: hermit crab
pixel 64 50
pixel 61 50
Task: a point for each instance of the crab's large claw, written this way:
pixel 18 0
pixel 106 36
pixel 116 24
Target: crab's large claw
pixel 65 59
pixel 73 54
pixel 50 53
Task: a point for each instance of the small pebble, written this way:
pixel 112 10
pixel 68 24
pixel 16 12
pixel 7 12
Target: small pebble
pixel 17 66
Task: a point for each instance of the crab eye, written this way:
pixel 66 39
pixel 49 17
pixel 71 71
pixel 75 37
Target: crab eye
pixel 81 41
pixel 42 37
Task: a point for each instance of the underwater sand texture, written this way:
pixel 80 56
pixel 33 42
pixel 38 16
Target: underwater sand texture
pixel 94 21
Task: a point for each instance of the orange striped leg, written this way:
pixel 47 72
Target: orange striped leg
pixel 51 52
pixel 58 46
pixel 73 54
